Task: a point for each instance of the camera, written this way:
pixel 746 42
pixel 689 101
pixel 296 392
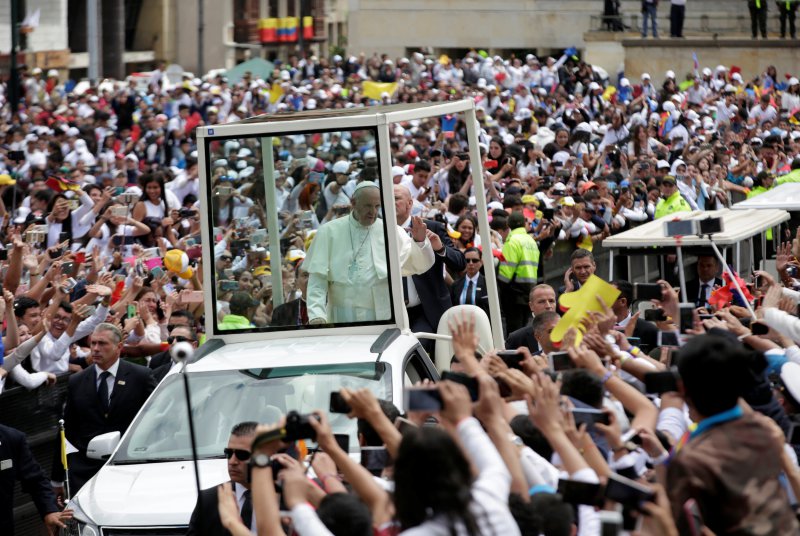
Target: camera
pixel 186 213
pixel 299 427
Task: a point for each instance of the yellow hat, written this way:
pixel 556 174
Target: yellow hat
pixel 530 199
pixel 262 270
pixel 6 180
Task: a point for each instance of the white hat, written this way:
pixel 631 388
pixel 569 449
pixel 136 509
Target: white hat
pixel 583 127
pixel 793 81
pixel 737 77
pixel 397 170
pixel 246 172
pixel 311 104
pixel 645 76
pixel 522 114
pixel 624 82
pixel 561 156
pixel 669 106
pixel 594 86
pixel 720 68
pixel 244 152
pixel 670 74
pixel 73 132
pixel 706 71
pixel 132 157
pixel 52 72
pixel 285 75
pixel 662 164
pixel 730 89
pixel 560 187
pixel 370 154
pixel 341 167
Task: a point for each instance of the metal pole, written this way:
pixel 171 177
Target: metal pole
pixel 273 229
pixel 300 41
pixel 610 264
pixel 200 28
pixel 13 83
pixel 681 275
pixel 94 39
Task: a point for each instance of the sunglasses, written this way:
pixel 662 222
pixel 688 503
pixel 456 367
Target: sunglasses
pixel 241 455
pixel 178 338
pixel 473 261
pixel 226 258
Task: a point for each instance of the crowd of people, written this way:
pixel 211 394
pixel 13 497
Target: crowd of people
pixel 99 194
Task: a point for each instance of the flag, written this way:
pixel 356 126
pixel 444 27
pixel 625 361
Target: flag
pixel 373 90
pixel 275 93
pixel 268 30
pixel 308 27
pixel 696 63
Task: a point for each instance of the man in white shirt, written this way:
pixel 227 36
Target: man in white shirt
pixel 67 325
pixel 763 112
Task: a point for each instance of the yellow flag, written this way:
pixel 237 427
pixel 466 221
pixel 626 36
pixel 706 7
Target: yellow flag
pixel 275 92
pixel 374 90
pixel 63 449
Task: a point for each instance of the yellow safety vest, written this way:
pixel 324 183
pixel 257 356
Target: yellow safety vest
pixel 521 258
pixel 671 205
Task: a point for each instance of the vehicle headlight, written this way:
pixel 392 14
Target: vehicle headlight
pixel 80 525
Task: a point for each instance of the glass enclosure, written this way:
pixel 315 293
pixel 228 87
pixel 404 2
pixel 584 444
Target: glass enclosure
pixel 298 231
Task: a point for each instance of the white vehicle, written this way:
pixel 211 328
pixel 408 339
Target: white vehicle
pixel 252 370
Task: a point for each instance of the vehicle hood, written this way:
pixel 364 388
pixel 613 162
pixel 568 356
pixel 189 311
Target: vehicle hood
pixel 147 494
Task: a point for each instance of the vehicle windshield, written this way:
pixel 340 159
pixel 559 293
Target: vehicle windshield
pixel 298 231
pixel 222 399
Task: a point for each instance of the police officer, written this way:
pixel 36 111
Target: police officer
pixel 518 272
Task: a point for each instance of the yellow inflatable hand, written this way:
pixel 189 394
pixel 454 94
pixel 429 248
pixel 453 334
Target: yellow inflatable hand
pixel 579 304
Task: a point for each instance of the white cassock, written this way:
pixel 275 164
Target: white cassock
pixel 348 277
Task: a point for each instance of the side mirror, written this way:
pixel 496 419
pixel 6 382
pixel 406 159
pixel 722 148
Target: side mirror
pixel 101 447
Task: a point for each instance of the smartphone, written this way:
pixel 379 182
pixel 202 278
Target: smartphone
pixel 192 296
pixel 3 254
pixel 374 459
pixel 610 522
pixel 577 492
pixel 694 519
pixel 548 213
pixel 590 416
pixel 55 253
pixel 338 405
pixel 667 338
pixel 467 381
pixel 559 361
pixel 131 311
pixel 67 267
pixel 403 425
pixel 63 237
pixel 511 358
pixel 343 440
pixel 69 284
pixel 758 328
pixel 226 286
pixel 629 493
pixel 661 382
pixel 680 228
pixel 423 399
pixel 686 316
pixel 634 341
pixel 118 211
pixel 647 291
pixel 157 272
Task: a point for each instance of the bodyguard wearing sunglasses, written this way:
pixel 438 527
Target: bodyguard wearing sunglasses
pixel 471 289
pixel 238 454
pixel 162 363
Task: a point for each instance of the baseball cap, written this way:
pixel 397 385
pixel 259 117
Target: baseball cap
pixel 341 166
pixel 662 164
pixel 668 179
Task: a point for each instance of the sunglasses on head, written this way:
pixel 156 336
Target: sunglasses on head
pixel 177 338
pixel 473 261
pixel 241 455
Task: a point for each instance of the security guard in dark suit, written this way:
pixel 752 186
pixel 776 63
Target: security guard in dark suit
pixel 17 464
pixel 102 398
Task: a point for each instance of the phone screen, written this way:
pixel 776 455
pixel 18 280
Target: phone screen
pixel 423 399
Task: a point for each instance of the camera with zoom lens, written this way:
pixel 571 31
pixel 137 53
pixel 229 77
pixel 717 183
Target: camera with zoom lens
pixel 299 427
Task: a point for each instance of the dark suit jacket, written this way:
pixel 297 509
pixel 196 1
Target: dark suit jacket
pixel 286 314
pixel 210 524
pixel 523 337
pixel 17 464
pixel 84 418
pixel 693 288
pixel 159 360
pixel 432 290
pixel 481 296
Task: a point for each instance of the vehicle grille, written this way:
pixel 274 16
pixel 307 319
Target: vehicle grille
pixel 144 531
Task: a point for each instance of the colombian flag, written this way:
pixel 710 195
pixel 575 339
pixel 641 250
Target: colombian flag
pixel 268 30
pixel 308 27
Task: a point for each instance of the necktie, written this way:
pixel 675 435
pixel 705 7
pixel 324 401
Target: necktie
pixel 102 390
pixel 468 299
pixel 247 510
pixel 701 299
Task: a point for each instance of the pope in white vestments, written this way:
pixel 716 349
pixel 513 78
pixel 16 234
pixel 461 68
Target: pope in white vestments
pixel 348 276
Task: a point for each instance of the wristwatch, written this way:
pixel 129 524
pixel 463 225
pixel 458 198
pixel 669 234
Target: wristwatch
pixel 260 460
